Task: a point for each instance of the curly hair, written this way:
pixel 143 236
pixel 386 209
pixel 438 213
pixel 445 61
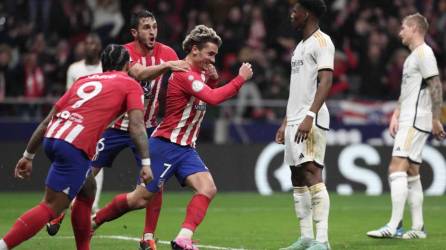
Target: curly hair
pixel 199 36
pixel 317 7
pixel 114 57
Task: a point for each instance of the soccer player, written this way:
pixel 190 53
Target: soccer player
pixel 149 60
pixel 91 64
pixel 69 135
pixel 417 115
pixel 175 136
pixel 303 131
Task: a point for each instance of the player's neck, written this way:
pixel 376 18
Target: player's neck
pixel 92 61
pixel 191 62
pixel 144 50
pixel 309 29
pixel 417 41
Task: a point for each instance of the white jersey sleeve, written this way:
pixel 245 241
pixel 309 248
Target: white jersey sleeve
pixel 426 62
pixel 70 76
pixel 325 55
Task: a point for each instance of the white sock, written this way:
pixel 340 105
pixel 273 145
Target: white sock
pixel 320 202
pixel 415 199
pixel 302 207
pixel 148 236
pixel 185 233
pixel 99 181
pixel 3 245
pixel 398 191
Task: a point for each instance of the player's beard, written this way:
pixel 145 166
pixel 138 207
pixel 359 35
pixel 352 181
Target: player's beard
pixel 149 45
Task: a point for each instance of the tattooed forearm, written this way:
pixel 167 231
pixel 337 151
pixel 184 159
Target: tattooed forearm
pixel 436 92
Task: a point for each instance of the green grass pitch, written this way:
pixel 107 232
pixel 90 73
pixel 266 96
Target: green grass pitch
pixel 242 221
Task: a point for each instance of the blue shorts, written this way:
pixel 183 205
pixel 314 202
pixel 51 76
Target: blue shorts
pixel 169 159
pixel 112 142
pixel 69 167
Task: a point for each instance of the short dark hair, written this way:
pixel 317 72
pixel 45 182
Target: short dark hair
pixel 199 36
pixel 317 7
pixel 134 20
pixel 114 57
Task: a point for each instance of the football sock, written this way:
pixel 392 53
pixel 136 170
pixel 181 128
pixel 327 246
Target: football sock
pixel 320 202
pixel 153 210
pixel 3 245
pixel 302 207
pixel 81 222
pixel 185 233
pixel 398 192
pixel 115 209
pixel 415 199
pixel 147 236
pixel 196 210
pixel 99 182
pixel 28 224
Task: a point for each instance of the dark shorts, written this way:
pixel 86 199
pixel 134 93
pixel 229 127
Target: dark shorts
pixel 69 167
pixel 170 159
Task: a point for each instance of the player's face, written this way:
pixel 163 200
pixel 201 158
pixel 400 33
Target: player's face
pixel 146 32
pixel 92 47
pixel 298 16
pixel 206 55
pixel 406 33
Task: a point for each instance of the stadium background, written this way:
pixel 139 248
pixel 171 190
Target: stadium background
pixel 43 37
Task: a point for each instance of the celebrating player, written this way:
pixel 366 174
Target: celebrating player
pixel 303 131
pixel 417 115
pixel 149 59
pixel 176 135
pixel 70 133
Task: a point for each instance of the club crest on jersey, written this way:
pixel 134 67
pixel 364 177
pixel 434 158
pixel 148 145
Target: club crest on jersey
pixel 197 86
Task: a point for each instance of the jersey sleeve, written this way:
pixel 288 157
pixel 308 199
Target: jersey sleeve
pixel 70 77
pixel 427 63
pixel 135 96
pixel 324 54
pixel 196 87
pixel 171 54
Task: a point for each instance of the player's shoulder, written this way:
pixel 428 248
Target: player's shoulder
pixel 424 51
pixel 321 40
pixel 166 50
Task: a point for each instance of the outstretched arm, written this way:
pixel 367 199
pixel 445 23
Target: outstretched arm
pixel 140 72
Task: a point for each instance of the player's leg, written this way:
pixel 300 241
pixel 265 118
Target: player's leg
pixel 33 220
pixel 99 178
pixel 205 190
pixel 415 199
pixel 153 210
pixel 81 208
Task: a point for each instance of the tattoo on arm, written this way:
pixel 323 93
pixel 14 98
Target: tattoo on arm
pixel 37 137
pixel 137 131
pixel 436 92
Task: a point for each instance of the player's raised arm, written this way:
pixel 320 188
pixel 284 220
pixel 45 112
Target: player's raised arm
pixel 24 165
pixel 215 96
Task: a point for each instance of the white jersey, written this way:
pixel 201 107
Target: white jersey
pixel 311 55
pixel 415 98
pixel 79 68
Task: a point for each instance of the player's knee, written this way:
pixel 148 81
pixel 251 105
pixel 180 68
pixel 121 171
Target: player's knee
pixel 209 191
pixel 89 188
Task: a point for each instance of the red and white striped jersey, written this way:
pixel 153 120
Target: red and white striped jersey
pixel 186 99
pixel 90 105
pixel 161 53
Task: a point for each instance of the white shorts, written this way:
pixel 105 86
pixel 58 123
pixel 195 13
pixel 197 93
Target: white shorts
pixel 409 143
pixel 312 149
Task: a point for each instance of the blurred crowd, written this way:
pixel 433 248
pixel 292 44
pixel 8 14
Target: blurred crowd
pixel 39 39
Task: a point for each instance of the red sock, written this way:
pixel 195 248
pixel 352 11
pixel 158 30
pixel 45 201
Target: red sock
pixel 28 224
pixel 80 220
pixel 196 210
pixel 115 209
pixel 153 210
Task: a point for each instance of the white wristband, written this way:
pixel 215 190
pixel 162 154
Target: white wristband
pixel 28 155
pixel 145 161
pixel 311 114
